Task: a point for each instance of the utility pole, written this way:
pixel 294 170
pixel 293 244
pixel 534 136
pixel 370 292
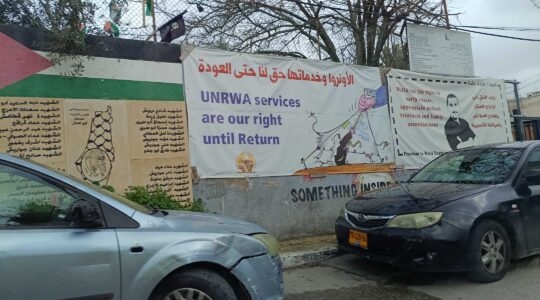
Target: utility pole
pixel 516 113
pixel 446 14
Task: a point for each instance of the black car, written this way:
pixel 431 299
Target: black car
pixel 469 210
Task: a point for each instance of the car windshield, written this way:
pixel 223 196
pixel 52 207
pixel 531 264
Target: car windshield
pixel 474 166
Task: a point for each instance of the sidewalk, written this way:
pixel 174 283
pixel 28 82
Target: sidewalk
pixel 308 250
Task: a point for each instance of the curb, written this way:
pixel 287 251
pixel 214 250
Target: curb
pixel 296 259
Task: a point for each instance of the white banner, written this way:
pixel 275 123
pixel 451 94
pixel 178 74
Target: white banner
pixel 439 51
pixel 432 115
pixel 254 115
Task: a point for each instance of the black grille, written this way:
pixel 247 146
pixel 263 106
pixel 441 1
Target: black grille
pixel 366 223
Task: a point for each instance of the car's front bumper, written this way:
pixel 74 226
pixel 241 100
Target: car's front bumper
pixel 441 247
pixel 262 277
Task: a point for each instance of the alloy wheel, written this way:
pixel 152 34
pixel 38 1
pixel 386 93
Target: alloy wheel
pixel 187 294
pixel 492 251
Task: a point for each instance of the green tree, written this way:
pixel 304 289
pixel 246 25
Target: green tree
pixel 65 20
pixel 158 198
pixel 53 15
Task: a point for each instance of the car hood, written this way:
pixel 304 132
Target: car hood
pixel 412 197
pixel 206 222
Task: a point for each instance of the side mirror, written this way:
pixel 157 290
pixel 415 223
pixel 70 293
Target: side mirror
pixel 530 177
pixel 533 177
pixel 522 187
pixel 85 213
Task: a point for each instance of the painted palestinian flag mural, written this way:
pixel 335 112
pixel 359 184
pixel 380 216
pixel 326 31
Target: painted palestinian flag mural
pixel 121 122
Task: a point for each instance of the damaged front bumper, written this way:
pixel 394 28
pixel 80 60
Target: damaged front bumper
pixel 441 247
pixel 262 276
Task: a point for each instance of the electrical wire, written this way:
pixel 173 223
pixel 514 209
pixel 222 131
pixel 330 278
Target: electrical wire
pixel 499 35
pixel 457 28
pixel 529 84
pixel 475 31
pixel 530 78
pixel 510 90
pixel 501 28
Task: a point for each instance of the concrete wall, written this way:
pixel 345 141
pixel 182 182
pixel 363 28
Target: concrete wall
pixel 287 207
pixel 120 121
pixel 290 206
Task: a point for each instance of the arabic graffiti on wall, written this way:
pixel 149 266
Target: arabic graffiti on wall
pixel 162 130
pixel 120 115
pixel 159 147
pixel 106 142
pixel 32 128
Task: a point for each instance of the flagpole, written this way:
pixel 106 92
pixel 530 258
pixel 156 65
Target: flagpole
pixel 154 20
pixel 143 13
pixel 152 34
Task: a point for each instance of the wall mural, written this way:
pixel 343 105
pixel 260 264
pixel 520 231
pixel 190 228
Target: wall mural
pixel 95 162
pixel 121 122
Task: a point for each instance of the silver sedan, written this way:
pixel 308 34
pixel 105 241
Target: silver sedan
pixel 61 238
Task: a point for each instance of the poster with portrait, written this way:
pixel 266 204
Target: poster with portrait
pixel 432 115
pixel 257 115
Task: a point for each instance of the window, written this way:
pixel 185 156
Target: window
pixel 533 167
pixel 533 162
pixel 28 200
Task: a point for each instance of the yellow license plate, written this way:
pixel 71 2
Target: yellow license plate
pixel 359 239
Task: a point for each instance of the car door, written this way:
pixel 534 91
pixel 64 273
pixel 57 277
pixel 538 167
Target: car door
pixel 530 210
pixel 45 254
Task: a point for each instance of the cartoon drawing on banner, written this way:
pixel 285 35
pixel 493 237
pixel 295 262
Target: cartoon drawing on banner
pixel 457 130
pixel 372 181
pixel 352 137
pixel 245 162
pixel 95 162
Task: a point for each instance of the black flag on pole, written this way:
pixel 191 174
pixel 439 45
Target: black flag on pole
pixel 173 29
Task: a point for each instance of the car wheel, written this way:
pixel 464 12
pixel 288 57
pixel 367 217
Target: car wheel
pixel 194 284
pixel 490 247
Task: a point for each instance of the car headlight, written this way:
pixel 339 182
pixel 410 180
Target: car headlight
pixel 415 221
pixel 269 241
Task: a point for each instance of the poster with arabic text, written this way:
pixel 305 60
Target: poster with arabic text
pixel 256 115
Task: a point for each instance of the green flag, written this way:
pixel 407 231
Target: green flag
pixel 148 8
pixel 111 28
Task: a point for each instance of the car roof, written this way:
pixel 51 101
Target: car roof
pixel 518 144
pixel 16 159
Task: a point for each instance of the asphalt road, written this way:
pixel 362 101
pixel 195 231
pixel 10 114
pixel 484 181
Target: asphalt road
pixel 349 277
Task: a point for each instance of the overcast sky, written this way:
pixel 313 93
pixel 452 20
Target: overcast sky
pixel 499 57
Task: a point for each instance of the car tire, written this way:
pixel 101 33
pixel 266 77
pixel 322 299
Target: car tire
pixel 194 284
pixel 491 252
